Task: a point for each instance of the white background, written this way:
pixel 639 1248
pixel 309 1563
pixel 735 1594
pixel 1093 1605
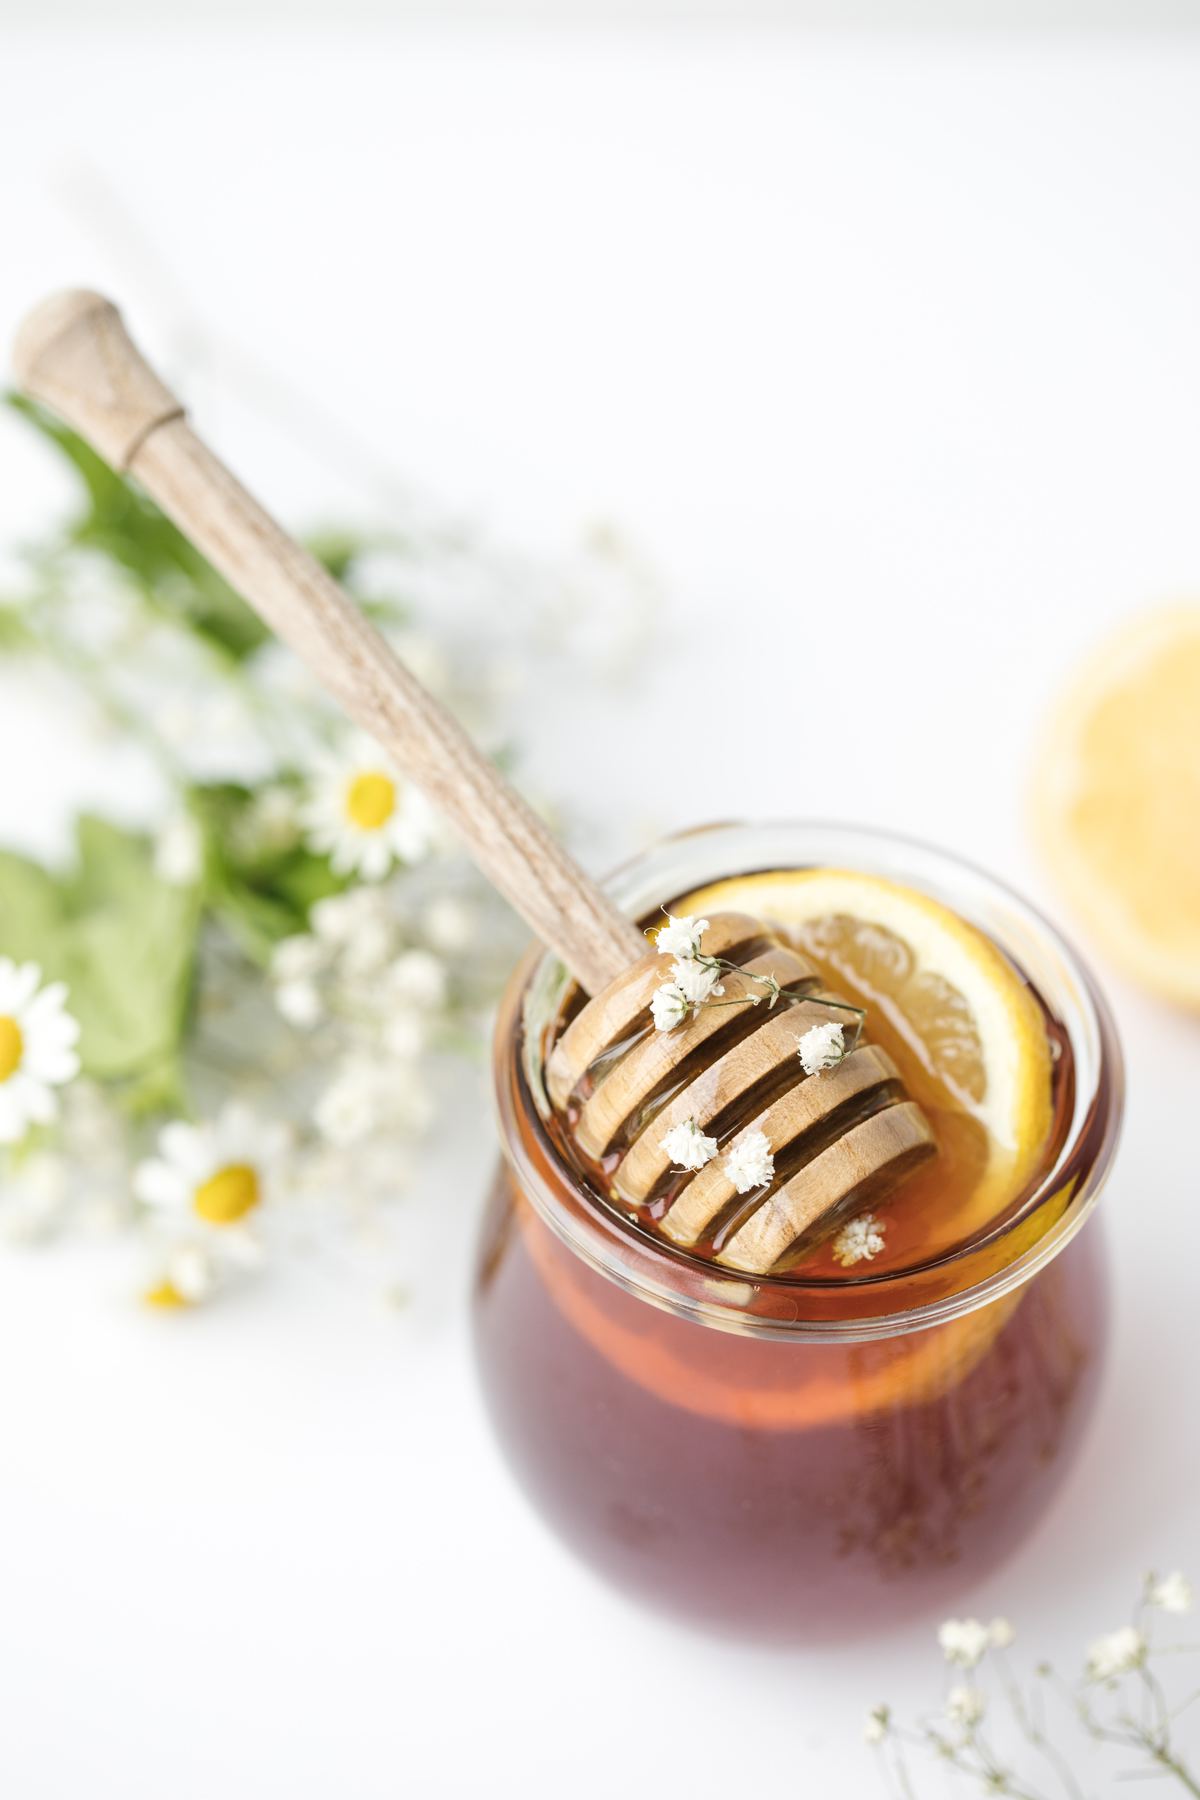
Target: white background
pixel 889 355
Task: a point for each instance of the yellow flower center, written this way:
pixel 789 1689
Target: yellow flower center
pixel 11 1046
pixel 371 800
pixel 228 1195
pixel 165 1294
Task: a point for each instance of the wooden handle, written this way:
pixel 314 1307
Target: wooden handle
pixel 74 354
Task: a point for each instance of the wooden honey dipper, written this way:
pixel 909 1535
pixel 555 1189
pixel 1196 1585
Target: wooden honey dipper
pixel 841 1137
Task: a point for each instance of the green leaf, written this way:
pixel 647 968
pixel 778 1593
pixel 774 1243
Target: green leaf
pixel 31 911
pixel 15 634
pixel 260 894
pixel 120 522
pixel 123 940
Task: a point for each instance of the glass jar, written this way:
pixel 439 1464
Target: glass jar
pixel 789 1459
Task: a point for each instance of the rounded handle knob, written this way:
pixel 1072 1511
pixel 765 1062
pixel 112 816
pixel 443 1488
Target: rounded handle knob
pixel 73 353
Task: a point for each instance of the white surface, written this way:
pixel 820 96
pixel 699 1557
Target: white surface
pixel 891 359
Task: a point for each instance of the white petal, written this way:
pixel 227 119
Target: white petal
pixel 375 858
pixel 57 1030
pixel 18 984
pixel 189 1147
pixel 40 1103
pixel 50 1001
pixel 12 1117
pixel 158 1183
pixel 54 1066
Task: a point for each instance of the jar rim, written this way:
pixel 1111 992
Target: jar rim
pixel 867 1306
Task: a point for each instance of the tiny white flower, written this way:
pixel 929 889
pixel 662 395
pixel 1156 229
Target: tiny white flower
pixel 358 927
pixel 272 820
pixel 297 958
pixel 859 1240
pixel 34 1196
pixel 963 1641
pixel 348 1110
pixel 680 937
pixel 37 1048
pixel 220 1173
pixel 750 1163
pixel 404 1034
pixel 965 1705
pixel 336 918
pixel 364 814
pixel 450 924
pixel 1116 1654
pixel 669 1006
pixel 179 852
pixel 368 950
pixel 821 1047
pixel 1001 1633
pixel 878 1724
pixel 696 981
pixel 687 1146
pixel 300 1003
pixel 418 978
pixel 190 1272
pixel 1173 1594
pixel 368 1095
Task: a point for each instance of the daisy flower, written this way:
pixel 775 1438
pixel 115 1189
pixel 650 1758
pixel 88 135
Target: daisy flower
pixel 217 1175
pixel 364 814
pixel 37 1048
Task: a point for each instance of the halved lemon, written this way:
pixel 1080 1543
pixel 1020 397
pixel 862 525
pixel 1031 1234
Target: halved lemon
pixel 1117 799
pixel 965 1028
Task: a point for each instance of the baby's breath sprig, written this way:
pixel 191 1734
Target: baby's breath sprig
pixel 1118 1701
pixel 695 982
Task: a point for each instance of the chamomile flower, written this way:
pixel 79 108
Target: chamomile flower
pixel 750 1163
pixel 680 937
pixel 218 1175
pixel 364 814
pixel 822 1047
pixel 687 1146
pixel 37 1048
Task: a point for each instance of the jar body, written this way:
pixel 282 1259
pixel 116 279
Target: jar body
pixel 781 1489
pixel 783 1458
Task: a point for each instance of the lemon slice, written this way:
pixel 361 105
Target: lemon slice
pixel 1117 803
pixel 967 1031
